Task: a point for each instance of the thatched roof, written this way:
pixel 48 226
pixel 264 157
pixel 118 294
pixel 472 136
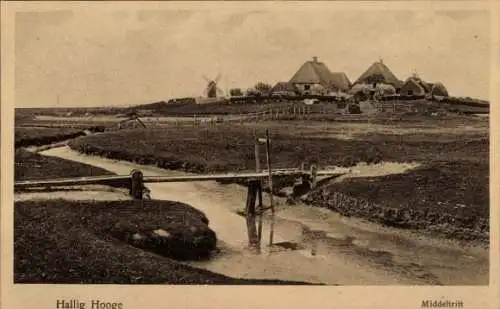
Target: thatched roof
pixel 284 86
pixel 380 73
pixel 315 72
pixel 425 86
pixel 341 81
pixel 439 89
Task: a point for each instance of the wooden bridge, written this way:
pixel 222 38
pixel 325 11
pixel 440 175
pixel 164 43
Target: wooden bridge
pixel 254 180
pixel 124 179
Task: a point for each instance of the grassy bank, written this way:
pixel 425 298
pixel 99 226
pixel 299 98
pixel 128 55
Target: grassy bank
pixel 30 166
pixel 62 241
pixel 445 198
pixel 37 136
pixel 448 194
pixel 230 148
pixel 58 241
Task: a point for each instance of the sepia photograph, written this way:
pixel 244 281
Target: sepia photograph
pixel 251 144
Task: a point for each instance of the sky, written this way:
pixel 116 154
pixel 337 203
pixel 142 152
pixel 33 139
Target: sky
pixel 126 57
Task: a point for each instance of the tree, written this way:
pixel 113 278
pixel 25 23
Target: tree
pixel 263 88
pixel 251 92
pixel 235 92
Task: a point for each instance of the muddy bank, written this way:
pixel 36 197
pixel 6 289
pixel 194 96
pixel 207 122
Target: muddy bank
pixel 417 199
pixel 406 218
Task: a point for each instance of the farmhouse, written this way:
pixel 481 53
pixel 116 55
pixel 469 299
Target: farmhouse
pixel 285 89
pixel 314 77
pixel 414 85
pixel 378 73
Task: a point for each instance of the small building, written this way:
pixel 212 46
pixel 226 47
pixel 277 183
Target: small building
pixel 284 89
pixel 314 77
pixel 415 86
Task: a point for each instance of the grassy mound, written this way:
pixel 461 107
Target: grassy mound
pixel 53 243
pixel 187 235
pixel 451 199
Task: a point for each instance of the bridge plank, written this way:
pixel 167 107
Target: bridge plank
pixel 245 176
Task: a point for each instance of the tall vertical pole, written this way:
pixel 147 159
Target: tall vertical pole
pixel 268 156
pixel 259 193
pixel 250 213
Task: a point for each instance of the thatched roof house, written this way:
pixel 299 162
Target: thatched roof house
pixel 414 85
pixel 379 73
pixel 314 77
pixel 284 88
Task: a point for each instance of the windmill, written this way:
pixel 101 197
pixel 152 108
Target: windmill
pixel 212 90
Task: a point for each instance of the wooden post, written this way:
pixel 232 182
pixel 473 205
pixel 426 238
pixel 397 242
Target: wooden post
pixel 261 213
pixel 260 205
pixel 268 157
pixel 314 247
pixel 136 184
pixel 314 172
pixel 250 213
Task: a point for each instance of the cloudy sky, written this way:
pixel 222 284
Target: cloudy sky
pixel 123 57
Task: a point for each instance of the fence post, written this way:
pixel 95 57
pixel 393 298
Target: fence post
pixel 259 191
pixel 253 188
pixel 136 184
pixel 268 156
pixel 314 173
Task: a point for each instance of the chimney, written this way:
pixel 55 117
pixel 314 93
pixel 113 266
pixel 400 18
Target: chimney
pixel 381 61
pixel 315 59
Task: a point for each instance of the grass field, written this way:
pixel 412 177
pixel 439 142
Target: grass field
pixel 230 147
pixel 29 166
pixel 36 136
pixel 453 181
pixel 247 105
pixel 74 241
